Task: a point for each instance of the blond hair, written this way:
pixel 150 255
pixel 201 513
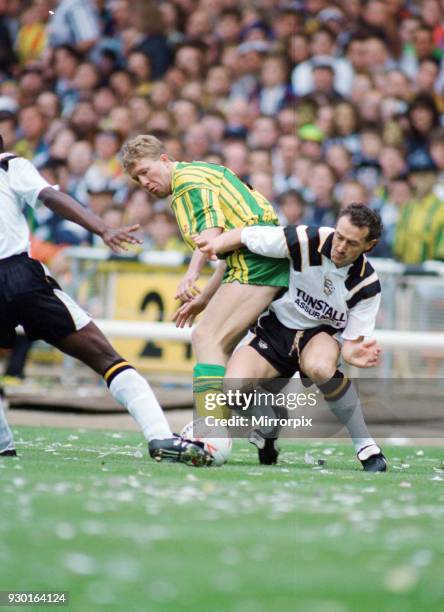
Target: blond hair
pixel 139 147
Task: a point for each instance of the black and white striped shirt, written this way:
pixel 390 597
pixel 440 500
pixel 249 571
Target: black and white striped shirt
pixel 319 292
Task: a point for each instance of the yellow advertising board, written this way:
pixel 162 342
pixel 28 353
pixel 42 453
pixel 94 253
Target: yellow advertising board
pixel 148 295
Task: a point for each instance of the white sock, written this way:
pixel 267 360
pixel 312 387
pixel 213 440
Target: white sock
pixel 349 412
pixel 6 437
pixel 368 451
pixel 133 392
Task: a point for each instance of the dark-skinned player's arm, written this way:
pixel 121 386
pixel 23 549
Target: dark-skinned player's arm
pixel 65 206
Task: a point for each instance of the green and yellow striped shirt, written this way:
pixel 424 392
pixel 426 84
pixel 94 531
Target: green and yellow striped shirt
pixel 208 195
pixel 420 231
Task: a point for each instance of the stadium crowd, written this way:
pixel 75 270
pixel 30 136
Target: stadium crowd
pixel 316 103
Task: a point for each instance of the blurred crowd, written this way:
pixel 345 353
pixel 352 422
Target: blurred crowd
pixel 316 103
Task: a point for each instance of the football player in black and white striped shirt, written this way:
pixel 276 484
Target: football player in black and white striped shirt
pixel 328 312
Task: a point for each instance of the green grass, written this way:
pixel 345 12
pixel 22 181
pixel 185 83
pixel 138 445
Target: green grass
pixel 88 512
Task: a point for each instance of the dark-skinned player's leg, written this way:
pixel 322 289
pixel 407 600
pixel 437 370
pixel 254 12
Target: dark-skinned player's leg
pixel 132 391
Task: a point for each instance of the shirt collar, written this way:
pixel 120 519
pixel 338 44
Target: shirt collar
pixel 356 269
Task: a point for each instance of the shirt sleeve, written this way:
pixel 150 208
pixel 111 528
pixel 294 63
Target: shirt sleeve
pixel 82 22
pixel 266 241
pixel 362 319
pixel 25 181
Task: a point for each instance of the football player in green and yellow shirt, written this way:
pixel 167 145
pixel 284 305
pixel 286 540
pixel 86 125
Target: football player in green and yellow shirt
pixel 208 199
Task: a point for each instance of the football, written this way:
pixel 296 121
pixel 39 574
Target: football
pixel 218 447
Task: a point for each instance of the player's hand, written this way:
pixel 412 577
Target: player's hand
pixel 206 246
pixel 116 239
pixel 364 354
pixel 189 311
pixel 187 288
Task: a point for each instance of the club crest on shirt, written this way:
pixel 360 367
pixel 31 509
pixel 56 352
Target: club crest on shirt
pixel 328 286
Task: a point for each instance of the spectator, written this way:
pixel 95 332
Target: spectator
pixel 323 91
pixel 83 121
pixel 340 160
pixel 8 129
pixel 62 143
pixel 146 17
pixel 367 165
pixel 32 144
pixel 422 46
pixel 284 160
pixel 141 110
pixel 311 138
pixel 66 61
pixel 346 127
pixel 291 208
pixel 49 105
pixel 103 100
pixel 100 200
pixel 79 160
pixel 274 87
pixel 218 87
pixel 350 192
pixel 322 46
pixel 106 169
pixel 419 234
pixel 32 35
pixel 423 118
pixel 321 182
pixel 264 132
pixel 263 182
pixel 229 26
pixel 361 106
pixel 236 158
pixel 437 154
pixel 8 58
pixel 162 232
pixel 259 160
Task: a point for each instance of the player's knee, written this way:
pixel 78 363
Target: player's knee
pixel 231 385
pixel 319 370
pixel 203 334
pixel 199 337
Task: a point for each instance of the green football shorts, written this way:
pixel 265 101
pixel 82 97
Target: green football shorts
pixel 251 269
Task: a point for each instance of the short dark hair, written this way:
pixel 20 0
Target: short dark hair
pixel 2 147
pixel 324 66
pixel 363 216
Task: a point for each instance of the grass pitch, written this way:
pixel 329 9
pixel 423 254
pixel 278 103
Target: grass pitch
pixel 89 513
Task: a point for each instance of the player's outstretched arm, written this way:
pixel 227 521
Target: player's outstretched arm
pixel 268 241
pixel 210 246
pixel 65 206
pixel 361 353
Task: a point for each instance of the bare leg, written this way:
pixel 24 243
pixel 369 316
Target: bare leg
pixel 126 385
pixel 319 361
pixel 90 346
pixel 227 317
